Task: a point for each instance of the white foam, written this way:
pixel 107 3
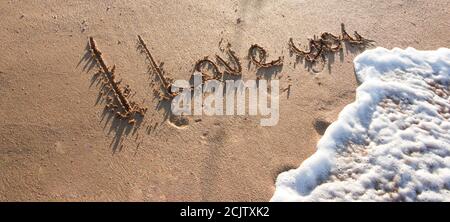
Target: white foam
pixel 392 143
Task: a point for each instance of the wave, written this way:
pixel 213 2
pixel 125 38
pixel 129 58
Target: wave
pixel 392 143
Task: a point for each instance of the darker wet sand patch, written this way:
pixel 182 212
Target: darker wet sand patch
pixel 321 125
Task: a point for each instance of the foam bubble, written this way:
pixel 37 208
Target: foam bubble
pixel 392 143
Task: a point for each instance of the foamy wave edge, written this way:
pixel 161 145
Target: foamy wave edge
pixel 386 138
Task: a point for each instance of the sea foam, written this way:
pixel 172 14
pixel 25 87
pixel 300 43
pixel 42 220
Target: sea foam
pixel 392 143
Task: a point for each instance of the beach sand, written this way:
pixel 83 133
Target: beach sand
pixel 56 144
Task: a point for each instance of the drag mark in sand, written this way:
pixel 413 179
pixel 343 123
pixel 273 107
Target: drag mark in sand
pixel 208 63
pixel 233 71
pixel 256 50
pixel 328 43
pixel 166 96
pixel 120 94
pixel 166 82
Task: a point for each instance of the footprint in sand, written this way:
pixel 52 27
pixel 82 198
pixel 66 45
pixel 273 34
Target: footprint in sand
pixel 179 122
pixel 321 126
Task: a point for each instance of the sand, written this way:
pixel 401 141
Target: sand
pixel 56 144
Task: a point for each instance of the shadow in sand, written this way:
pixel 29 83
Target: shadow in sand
pixel 257 56
pixel 269 72
pixel 165 106
pixel 322 51
pixel 154 79
pixel 87 59
pixel 326 60
pixel 227 76
pixel 120 128
pixel 356 49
